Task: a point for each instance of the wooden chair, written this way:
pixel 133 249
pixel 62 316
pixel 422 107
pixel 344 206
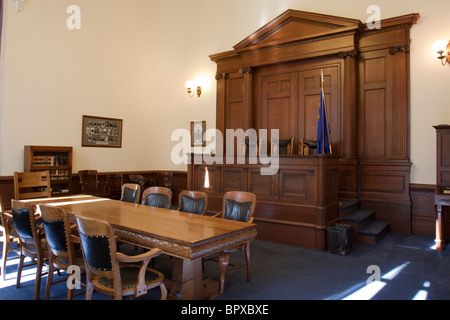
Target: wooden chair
pixel 141 180
pixel 28 185
pixel 115 182
pixel 90 184
pixel 165 179
pixel 249 147
pixel 61 240
pixel 160 197
pixel 240 206
pixel 308 147
pixel 131 192
pixel 284 146
pixel 32 241
pixel 111 272
pixel 193 202
pixel 8 235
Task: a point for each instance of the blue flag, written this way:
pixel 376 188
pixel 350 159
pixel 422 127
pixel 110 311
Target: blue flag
pixel 323 146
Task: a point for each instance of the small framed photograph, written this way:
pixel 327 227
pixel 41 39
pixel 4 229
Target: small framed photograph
pixel 101 132
pixel 198 129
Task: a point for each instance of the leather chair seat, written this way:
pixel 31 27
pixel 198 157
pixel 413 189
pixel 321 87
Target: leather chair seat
pixel 129 276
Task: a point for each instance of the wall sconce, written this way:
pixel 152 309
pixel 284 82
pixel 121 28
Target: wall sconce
pixel 17 5
pixel 443 50
pixel 190 85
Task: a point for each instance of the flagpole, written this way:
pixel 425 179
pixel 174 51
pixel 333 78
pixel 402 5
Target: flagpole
pixel 322 107
pixel 324 111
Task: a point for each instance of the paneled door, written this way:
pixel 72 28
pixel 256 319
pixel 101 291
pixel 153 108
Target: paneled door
pixel 289 100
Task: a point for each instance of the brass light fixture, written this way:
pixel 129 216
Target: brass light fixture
pixel 189 86
pixel 443 55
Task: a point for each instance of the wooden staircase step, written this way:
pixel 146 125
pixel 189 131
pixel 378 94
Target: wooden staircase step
pixel 375 230
pixel 360 217
pixel 365 228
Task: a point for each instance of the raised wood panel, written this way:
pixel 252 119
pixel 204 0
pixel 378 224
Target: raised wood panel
pixel 236 88
pixel 235 115
pixel 377 182
pixel 373 145
pixel 296 184
pixel 445 150
pixel 375 69
pixel 207 179
pixel 261 185
pixel 278 104
pixel 233 179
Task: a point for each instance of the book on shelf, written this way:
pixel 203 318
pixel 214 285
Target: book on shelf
pixel 446 191
pixel 50 160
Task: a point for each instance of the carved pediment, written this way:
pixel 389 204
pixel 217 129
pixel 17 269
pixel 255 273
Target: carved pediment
pixel 293 26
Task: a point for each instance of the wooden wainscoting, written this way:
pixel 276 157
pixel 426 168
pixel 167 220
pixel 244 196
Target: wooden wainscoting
pixel 179 183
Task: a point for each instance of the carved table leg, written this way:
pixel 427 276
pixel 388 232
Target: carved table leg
pixel 187 281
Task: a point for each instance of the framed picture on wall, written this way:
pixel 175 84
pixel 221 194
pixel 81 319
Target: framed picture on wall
pixel 198 129
pixel 101 132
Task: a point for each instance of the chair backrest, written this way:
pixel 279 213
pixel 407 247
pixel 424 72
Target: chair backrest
pixel 140 180
pixel 160 197
pixel 165 179
pixel 115 182
pixel 57 230
pixel 284 146
pixel 131 192
pixel 99 247
pixel 2 217
pixel 308 147
pixel 88 181
pixel 25 223
pixel 28 185
pixel 193 202
pixel 238 205
pixel 250 147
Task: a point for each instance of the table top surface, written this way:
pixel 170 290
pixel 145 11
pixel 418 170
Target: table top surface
pixel 165 224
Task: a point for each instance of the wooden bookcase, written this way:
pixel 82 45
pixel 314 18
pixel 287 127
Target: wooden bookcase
pixel 57 160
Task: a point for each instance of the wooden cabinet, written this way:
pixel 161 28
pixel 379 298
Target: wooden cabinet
pixel 442 157
pixel 442 197
pixel 57 160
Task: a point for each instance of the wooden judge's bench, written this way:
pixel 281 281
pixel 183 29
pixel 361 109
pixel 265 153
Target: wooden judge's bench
pixel 272 80
pixel 294 205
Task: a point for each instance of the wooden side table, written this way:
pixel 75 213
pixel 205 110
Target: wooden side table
pixel 440 200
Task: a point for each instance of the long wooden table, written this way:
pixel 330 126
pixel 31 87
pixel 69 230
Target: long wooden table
pixel 186 237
